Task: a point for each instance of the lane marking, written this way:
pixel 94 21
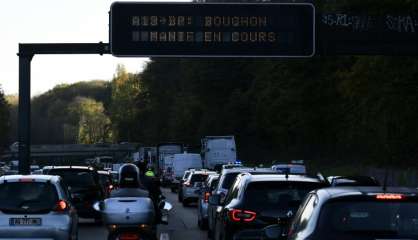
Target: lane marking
pixel 164 236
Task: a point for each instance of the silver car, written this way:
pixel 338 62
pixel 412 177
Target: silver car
pixel 202 204
pixel 36 207
pixel 191 187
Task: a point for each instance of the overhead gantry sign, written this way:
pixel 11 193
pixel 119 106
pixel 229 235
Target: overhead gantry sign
pixel 212 29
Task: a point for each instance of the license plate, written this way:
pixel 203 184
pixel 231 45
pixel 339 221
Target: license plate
pixel 25 221
pixel 128 236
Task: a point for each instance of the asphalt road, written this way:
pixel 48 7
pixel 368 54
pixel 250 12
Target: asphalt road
pixel 182 224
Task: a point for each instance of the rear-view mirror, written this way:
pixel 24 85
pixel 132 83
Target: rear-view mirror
pixel 98 206
pixel 215 199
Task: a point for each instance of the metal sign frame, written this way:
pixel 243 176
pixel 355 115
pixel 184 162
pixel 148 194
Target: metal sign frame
pixel 314 31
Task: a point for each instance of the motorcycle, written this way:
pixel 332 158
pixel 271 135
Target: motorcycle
pixel 132 218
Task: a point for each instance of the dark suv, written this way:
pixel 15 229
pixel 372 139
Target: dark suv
pixel 351 213
pixel 85 187
pixel 256 201
pixel 226 179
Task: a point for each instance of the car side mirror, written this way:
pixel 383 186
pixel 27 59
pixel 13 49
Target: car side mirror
pixel 273 232
pixel 215 199
pixel 99 206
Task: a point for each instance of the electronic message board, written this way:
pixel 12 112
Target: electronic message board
pixel 212 29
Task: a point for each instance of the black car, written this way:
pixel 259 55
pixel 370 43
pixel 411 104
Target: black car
pixel 256 201
pixel 85 187
pixel 226 179
pixel 365 181
pixel 352 213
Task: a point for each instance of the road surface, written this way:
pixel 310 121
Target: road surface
pixel 182 224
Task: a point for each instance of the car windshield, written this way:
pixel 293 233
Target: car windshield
pixel 277 195
pixel 369 220
pixel 27 197
pixel 198 178
pixel 75 178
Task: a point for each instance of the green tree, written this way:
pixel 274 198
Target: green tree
pixel 94 125
pixel 4 121
pixel 124 91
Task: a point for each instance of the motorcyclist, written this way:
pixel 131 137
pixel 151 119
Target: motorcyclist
pixel 130 186
pixel 152 184
pixel 130 183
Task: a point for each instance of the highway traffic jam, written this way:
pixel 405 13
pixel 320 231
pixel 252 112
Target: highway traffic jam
pixel 229 200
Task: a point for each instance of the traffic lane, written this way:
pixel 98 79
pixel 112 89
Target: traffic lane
pixel 182 222
pixel 89 230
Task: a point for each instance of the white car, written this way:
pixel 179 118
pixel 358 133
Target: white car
pixel 36 207
pixel 192 186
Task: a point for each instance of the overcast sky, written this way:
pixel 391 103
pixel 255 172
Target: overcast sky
pixel 56 21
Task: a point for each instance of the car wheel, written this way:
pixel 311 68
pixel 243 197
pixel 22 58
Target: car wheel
pixel 180 197
pixel 185 203
pixel 173 190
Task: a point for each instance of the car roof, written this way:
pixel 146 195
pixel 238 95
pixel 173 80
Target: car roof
pixel 69 167
pixel 282 178
pixel 36 178
pixel 336 192
pixel 244 169
pixel 203 172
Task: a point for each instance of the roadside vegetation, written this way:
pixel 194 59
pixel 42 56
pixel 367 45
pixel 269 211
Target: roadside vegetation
pixel 337 111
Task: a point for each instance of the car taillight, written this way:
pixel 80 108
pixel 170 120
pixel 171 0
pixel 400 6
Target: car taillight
pixel 237 215
pixel 389 196
pixel 110 188
pixel 128 236
pixel 206 197
pixel 61 206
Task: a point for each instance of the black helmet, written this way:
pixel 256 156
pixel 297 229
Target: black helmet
pixel 129 176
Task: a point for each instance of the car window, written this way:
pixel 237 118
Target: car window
pixel 229 180
pixel 75 178
pixel 389 220
pixel 198 178
pixel 27 197
pixel 304 215
pixel 214 184
pixel 277 195
pixel 234 191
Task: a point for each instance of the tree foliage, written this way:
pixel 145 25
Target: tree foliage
pixel 4 121
pixel 94 125
pixel 124 89
pixel 52 120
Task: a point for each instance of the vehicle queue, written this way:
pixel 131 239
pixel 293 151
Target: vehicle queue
pixel 235 202
pixel 286 203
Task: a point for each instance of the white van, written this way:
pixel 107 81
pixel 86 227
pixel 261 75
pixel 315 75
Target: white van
pixel 185 161
pixel 218 151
